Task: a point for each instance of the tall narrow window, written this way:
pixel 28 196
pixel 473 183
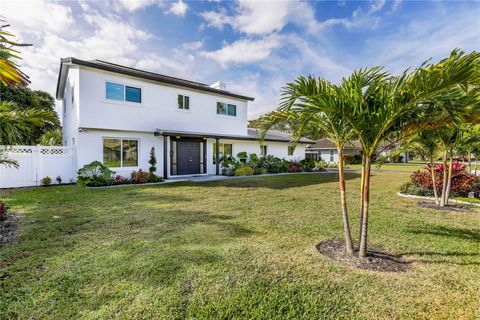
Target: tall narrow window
pixel 120 152
pixel 263 150
pixel 332 155
pixel 291 149
pixel 224 151
pixel 183 102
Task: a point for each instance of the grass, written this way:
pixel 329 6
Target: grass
pixel 406 167
pixel 237 249
pixel 472 200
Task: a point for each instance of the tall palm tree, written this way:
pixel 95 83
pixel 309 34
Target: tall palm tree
pixel 383 108
pixel 10 73
pixel 316 103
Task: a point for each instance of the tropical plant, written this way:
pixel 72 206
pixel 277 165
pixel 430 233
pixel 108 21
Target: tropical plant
pixel 382 108
pixel 140 176
pixel 51 138
pixel 94 174
pixel 46 181
pixel 10 74
pixel 316 105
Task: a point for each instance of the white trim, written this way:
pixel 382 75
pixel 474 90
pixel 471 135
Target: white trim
pixel 404 195
pixel 122 168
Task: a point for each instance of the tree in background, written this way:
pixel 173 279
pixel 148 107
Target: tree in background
pixel 23 98
pixel 51 138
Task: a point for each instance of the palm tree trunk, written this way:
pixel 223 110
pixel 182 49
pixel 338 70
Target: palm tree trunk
pixel 476 164
pixel 434 182
pixel 444 185
pixel 449 180
pixel 343 201
pixel 470 162
pixel 366 199
pixel 362 187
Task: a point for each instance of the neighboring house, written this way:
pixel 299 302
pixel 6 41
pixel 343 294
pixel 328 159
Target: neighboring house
pixel 116 114
pixel 325 149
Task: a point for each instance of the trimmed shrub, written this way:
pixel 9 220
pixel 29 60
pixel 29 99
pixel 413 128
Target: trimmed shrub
pixel 244 170
pixel 139 176
pixel 411 188
pixel 120 180
pixel 307 165
pixel 154 178
pixel 46 181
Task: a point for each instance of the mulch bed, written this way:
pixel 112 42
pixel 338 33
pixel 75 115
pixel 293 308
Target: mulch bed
pixel 8 229
pixel 448 208
pixel 375 260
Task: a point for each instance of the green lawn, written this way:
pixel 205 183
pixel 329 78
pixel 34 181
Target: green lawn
pixel 234 249
pixel 407 167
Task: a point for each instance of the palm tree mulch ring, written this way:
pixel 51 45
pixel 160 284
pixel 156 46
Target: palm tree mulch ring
pixel 375 260
pixel 8 229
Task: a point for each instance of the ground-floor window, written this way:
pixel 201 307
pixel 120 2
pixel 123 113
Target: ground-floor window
pixel 332 155
pixel 120 152
pixel 291 149
pixel 225 150
pixel 263 150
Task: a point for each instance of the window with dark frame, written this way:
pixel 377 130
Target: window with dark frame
pixel 226 109
pixel 291 149
pixel 183 102
pixel 225 150
pixel 120 92
pixel 263 150
pixel 119 152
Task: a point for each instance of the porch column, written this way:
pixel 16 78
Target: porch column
pixel 217 154
pixel 165 157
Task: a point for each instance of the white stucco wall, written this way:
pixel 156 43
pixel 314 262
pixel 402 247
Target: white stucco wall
pixel 325 155
pixel 70 110
pixel 159 107
pixel 90 148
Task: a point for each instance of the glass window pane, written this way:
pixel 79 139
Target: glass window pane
pixel 111 152
pixel 227 149
pixel 221 108
pixel 232 110
pixel 187 103
pixel 130 153
pixel 180 101
pixel 133 94
pixel 114 91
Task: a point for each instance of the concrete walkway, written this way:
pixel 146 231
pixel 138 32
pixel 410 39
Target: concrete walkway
pixel 211 177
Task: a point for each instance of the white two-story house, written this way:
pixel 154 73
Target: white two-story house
pixel 116 114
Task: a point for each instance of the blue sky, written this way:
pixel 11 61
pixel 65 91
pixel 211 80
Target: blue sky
pixel 255 47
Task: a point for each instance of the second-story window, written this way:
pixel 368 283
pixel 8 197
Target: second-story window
pixel 119 92
pixel 226 109
pixel 183 102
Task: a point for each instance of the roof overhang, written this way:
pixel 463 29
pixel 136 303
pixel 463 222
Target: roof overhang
pixel 185 134
pixel 109 67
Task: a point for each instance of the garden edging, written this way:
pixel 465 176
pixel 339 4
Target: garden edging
pixel 404 195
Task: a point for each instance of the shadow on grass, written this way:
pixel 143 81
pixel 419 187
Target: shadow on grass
pixel 282 182
pixel 456 258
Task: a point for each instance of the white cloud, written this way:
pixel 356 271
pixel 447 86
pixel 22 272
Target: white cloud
pixel 179 8
pixel 134 5
pixel 34 17
pixel 396 4
pixel 195 45
pixel 244 51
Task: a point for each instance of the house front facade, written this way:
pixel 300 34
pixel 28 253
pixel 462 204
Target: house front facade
pixel 115 114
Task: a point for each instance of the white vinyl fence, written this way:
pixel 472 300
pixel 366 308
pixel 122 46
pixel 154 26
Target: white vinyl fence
pixel 37 162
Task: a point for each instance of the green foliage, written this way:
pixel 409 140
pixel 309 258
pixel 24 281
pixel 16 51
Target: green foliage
pixel 94 174
pixel 3 210
pixel 140 176
pixel 59 179
pixel 244 170
pixel 51 138
pixel 5 161
pixel 46 181
pixel 10 74
pixel 152 178
pixel 242 156
pixel 412 189
pixel 152 162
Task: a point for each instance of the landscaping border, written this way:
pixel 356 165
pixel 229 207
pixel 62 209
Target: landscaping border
pixel 126 185
pixel 404 195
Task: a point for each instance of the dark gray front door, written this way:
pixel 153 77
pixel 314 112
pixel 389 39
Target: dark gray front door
pixel 188 157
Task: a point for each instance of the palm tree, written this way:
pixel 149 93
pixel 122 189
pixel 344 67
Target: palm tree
pixel 10 74
pixel 383 108
pixel 51 138
pixel 314 105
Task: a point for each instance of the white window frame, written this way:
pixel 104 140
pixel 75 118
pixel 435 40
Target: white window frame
pixel 183 102
pixel 266 150
pixel 226 115
pixel 121 151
